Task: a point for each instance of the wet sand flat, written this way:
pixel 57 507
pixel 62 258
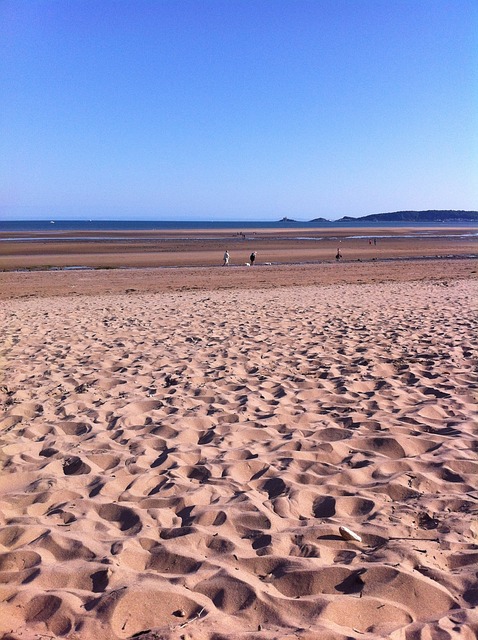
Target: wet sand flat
pixel 206 248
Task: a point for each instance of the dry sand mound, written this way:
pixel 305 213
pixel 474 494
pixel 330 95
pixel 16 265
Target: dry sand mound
pixel 178 466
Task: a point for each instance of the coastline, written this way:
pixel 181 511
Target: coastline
pixel 181 444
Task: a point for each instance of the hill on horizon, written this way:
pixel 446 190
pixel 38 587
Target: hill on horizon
pixel 432 215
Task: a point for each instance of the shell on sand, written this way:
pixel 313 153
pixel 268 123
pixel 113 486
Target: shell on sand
pixel 348 534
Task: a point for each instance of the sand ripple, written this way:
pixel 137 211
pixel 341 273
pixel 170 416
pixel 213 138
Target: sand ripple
pixel 178 465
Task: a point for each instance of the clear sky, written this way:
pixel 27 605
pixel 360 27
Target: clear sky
pixel 237 109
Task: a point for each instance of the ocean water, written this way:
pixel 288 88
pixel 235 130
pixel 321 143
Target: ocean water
pixel 42 226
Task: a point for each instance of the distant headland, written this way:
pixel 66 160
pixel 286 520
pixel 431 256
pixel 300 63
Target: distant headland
pixel 434 215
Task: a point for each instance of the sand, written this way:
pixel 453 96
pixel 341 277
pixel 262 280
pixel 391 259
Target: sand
pixel 195 248
pixel 178 455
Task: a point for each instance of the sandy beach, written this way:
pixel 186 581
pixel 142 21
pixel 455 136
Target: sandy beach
pixel 180 446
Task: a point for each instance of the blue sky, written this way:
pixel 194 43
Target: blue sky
pixel 237 109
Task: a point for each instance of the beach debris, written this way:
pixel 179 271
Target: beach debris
pixel 427 522
pixel 348 534
pixel 170 381
pixel 198 616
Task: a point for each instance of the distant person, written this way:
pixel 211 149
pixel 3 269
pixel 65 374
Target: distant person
pixel 226 258
pixel 375 242
pixel 338 255
pixel 252 258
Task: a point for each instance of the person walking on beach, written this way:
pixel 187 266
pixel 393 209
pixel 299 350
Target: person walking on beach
pixel 226 258
pixel 252 258
pixel 338 255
